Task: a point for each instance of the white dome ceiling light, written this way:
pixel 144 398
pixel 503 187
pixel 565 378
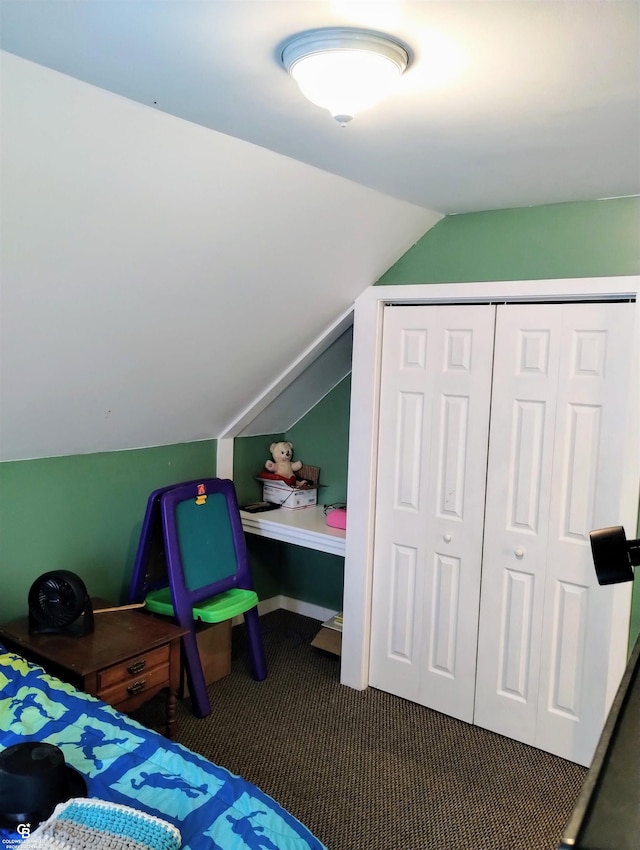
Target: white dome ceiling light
pixel 344 70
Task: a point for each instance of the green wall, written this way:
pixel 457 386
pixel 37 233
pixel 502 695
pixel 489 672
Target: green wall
pixel 321 438
pixel 591 239
pixel 83 513
pixel 249 456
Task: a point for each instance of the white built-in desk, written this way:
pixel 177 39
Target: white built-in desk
pixel 304 527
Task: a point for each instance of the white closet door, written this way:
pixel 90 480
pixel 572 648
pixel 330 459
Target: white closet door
pixel 433 433
pixel 583 637
pixel 547 639
pixel 523 408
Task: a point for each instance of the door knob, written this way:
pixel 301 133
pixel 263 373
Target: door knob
pixel 446 538
pixel 519 552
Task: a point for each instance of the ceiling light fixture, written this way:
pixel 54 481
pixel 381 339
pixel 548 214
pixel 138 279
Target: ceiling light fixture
pixel 344 70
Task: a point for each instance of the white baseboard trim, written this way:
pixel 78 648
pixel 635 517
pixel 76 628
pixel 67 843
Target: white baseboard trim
pixel 307 609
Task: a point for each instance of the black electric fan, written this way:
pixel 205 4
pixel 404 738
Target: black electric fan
pixel 60 605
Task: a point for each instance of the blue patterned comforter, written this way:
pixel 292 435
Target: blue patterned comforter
pixel 125 763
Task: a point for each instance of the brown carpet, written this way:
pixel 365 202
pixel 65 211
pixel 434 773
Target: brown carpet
pixel 365 770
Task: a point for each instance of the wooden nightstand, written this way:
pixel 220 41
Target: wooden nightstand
pixel 126 660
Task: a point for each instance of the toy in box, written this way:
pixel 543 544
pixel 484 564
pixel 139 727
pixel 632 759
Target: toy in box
pixel 288 483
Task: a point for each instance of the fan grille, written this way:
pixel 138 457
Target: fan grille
pixel 57 598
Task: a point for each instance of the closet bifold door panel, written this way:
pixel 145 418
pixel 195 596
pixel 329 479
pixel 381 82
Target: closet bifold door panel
pixel 547 634
pixel 501 445
pixel 432 457
pixel 519 482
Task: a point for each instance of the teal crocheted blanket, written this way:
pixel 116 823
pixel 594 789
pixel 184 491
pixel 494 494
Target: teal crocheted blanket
pixel 79 824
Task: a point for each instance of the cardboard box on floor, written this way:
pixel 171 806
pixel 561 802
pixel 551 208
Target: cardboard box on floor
pixel 214 646
pixel 329 638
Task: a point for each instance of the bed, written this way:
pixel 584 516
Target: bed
pixel 127 764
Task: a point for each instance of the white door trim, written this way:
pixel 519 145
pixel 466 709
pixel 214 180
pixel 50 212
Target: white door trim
pixel 363 432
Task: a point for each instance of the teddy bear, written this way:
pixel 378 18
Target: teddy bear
pixel 282 465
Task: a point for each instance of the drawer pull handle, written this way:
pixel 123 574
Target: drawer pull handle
pixel 138 667
pixel 136 688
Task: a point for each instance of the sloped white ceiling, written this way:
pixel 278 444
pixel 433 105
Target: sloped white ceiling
pixel 156 275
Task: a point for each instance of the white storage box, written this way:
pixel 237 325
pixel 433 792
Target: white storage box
pixel 288 497
pixel 282 494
